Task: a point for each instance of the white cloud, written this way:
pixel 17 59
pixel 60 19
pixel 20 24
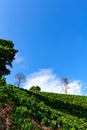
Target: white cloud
pixel 18 59
pixel 50 82
pixel 75 87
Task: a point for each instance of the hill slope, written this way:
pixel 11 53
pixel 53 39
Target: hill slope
pixel 28 110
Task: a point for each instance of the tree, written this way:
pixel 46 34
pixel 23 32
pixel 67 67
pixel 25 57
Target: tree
pixel 3 81
pixel 35 88
pixel 20 78
pixel 65 80
pixel 7 55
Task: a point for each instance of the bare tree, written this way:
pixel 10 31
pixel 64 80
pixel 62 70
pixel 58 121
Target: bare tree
pixel 20 78
pixel 65 80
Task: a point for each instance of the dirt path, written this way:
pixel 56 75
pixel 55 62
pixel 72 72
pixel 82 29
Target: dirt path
pixel 5 119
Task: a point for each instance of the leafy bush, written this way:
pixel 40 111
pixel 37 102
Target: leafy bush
pixel 35 88
pixel 3 81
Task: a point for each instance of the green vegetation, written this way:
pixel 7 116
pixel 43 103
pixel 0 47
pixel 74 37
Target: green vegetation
pixel 7 54
pixel 35 88
pixel 34 110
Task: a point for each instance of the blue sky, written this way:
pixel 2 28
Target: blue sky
pixel 49 35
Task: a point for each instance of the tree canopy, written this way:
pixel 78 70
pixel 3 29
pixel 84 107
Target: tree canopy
pixel 7 55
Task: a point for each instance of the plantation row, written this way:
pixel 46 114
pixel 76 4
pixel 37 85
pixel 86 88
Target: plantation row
pixel 46 109
pixel 71 104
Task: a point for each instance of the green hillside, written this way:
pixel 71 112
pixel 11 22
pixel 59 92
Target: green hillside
pixel 32 110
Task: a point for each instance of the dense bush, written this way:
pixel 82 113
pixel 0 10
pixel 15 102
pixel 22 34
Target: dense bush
pixel 35 88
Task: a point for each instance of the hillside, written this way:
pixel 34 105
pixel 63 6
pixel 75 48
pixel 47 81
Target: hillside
pixel 31 110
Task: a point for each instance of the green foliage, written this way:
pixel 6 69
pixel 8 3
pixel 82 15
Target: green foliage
pixel 65 103
pixel 35 88
pixel 7 54
pixel 33 109
pixel 3 81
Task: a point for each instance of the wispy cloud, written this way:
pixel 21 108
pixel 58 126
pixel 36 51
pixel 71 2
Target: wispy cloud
pixel 18 59
pixel 48 81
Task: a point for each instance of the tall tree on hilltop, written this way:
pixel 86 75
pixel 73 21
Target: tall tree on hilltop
pixel 20 78
pixel 7 55
pixel 65 80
